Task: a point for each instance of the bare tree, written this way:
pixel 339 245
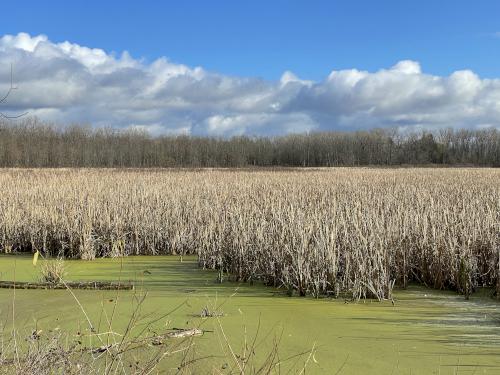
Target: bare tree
pixel 6 96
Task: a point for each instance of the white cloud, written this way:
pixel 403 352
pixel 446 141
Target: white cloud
pixel 68 83
pixel 159 129
pixel 262 123
pixel 407 67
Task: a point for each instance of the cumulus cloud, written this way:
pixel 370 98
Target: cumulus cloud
pixel 69 83
pixel 260 123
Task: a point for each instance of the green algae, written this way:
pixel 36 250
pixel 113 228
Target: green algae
pixel 424 332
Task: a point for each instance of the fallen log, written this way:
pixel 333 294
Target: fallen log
pixel 95 285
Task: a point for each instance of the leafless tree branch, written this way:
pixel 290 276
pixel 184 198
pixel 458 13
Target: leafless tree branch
pixel 7 94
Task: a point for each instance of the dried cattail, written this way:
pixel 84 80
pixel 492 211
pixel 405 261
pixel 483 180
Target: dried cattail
pixel 347 232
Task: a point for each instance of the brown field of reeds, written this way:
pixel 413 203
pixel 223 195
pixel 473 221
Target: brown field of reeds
pixel 342 232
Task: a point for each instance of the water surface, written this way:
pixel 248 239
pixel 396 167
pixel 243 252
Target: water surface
pixel 424 332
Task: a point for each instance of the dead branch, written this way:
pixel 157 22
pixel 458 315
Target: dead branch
pixel 6 96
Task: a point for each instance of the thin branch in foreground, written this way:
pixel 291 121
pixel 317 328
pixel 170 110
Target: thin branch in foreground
pixel 6 96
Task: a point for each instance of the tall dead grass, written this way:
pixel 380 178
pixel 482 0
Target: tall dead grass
pixel 342 231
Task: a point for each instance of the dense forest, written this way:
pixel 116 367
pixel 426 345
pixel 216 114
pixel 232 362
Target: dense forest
pixel 32 143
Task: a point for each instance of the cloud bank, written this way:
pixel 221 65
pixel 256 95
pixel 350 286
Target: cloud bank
pixel 69 83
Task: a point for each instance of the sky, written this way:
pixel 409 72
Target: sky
pixel 253 67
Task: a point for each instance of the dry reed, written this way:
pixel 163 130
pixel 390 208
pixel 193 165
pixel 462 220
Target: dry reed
pixel 320 232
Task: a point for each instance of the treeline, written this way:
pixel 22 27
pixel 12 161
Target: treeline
pixel 32 143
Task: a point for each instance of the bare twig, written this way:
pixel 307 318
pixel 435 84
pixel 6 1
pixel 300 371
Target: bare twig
pixel 6 96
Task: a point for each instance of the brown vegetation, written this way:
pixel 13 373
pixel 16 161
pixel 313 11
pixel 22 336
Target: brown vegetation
pixel 31 143
pixel 52 271
pixel 321 232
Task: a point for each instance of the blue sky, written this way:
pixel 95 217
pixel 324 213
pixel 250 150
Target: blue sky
pixel 264 38
pixel 254 67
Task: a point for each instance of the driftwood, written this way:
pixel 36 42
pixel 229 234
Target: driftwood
pixel 180 333
pixel 96 285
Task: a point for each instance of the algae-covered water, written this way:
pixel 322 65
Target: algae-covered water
pixel 424 332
